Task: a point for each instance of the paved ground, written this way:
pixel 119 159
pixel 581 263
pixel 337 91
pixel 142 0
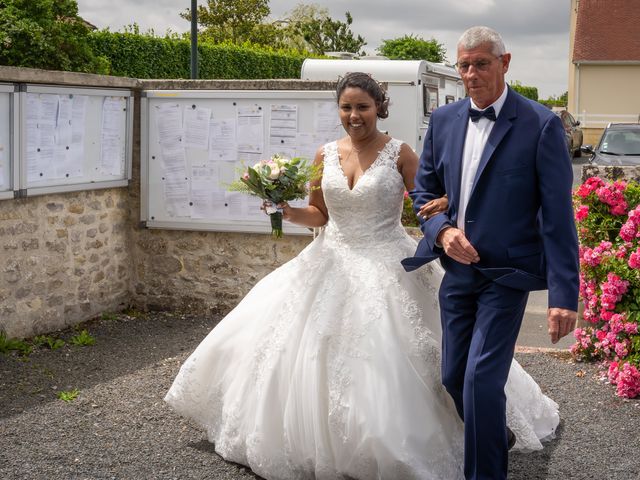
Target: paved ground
pixel 119 427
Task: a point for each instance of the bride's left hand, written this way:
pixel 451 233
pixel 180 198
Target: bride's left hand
pixel 435 206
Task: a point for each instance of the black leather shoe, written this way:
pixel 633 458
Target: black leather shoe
pixel 511 438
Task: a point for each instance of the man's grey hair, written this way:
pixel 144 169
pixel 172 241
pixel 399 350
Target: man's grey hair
pixel 476 36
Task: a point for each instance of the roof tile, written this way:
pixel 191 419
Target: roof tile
pixel 607 30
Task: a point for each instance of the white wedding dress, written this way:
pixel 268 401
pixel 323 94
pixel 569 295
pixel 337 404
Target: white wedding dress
pixel 329 368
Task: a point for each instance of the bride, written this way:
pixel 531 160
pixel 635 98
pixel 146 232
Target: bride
pixel 329 368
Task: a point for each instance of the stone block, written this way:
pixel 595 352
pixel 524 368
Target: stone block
pixel 77 208
pixel 88 219
pixel 54 207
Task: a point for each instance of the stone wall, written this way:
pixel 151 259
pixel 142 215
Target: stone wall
pixel 66 258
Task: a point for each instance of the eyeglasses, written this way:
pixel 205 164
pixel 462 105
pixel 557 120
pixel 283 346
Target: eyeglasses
pixel 480 65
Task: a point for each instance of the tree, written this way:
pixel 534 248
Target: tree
pixel 46 34
pixel 323 34
pixel 553 101
pixel 289 27
pixel 412 47
pixel 236 21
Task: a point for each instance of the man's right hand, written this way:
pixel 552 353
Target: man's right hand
pixel 456 245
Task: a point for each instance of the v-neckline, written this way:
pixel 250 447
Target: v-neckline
pixel 356 182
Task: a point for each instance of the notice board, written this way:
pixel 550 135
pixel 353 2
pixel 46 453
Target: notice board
pixel 74 138
pixel 8 114
pixel 195 142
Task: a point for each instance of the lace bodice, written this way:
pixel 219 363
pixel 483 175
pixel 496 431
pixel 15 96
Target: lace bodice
pixel 370 211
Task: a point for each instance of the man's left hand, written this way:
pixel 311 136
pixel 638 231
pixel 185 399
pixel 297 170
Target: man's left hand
pixel 561 321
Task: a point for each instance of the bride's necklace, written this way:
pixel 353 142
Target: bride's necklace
pixel 362 148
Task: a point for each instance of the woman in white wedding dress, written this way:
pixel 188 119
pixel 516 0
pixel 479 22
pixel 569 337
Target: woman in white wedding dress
pixel 329 368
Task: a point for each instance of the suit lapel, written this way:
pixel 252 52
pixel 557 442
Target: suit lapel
pixel 456 145
pixel 500 129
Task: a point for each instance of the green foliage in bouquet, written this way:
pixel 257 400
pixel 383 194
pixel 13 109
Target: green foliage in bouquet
pixel 277 180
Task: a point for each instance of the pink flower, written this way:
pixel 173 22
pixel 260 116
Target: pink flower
pixel 613 196
pixel 582 212
pixel 634 259
pixel 631 328
pixel 621 349
pixel 628 381
pixel 613 372
pixel 590 185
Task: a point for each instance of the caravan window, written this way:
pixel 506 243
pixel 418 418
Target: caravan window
pixel 429 99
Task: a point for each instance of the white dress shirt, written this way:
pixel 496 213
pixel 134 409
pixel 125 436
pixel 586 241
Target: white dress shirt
pixel 477 135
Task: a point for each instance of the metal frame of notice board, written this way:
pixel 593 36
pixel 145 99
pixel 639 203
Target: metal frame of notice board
pixel 9 140
pixel 92 175
pixel 223 103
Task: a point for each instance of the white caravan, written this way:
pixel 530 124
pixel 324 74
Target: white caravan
pixel 415 87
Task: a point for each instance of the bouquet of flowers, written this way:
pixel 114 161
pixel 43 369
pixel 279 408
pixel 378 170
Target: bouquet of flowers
pixel 277 180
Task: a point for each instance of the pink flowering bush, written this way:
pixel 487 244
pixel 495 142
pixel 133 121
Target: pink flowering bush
pixel 608 221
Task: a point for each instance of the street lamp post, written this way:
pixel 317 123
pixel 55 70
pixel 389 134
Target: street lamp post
pixel 194 38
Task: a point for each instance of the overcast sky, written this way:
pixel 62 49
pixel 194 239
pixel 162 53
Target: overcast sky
pixel 536 32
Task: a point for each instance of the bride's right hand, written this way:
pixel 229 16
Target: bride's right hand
pixel 435 206
pixel 283 206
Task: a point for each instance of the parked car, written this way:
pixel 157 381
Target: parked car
pixel 619 145
pixel 573 132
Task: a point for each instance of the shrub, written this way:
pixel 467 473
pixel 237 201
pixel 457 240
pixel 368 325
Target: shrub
pixel 147 56
pixel 608 221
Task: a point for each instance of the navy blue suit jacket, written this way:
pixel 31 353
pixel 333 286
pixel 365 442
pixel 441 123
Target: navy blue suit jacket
pixel 519 215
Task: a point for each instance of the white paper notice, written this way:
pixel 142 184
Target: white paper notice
pixel 222 140
pixel 174 162
pixel 325 117
pixel 250 129
pixel 202 183
pixel 112 150
pixel 283 127
pixel 48 109
pixel 78 120
pixel 196 127
pixel 235 203
pixel 61 166
pixel 169 124
pixel 307 145
pixel 63 124
pixel 176 197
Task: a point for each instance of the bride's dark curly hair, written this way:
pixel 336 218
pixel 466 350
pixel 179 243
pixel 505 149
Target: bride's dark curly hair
pixel 365 82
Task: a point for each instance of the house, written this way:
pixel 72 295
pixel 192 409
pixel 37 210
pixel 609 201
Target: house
pixel 604 71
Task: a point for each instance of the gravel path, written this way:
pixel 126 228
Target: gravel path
pixel 119 427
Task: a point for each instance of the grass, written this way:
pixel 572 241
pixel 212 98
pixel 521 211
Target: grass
pixel 68 396
pixel 110 316
pixel 49 341
pixel 83 339
pixel 7 345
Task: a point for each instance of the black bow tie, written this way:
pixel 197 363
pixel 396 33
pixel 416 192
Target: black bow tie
pixel 475 115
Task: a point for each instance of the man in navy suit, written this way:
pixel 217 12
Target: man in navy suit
pixel 502 161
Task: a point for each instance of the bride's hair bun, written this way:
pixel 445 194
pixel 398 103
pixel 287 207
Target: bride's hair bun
pixel 365 82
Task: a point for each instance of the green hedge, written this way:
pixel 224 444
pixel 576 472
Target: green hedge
pixel 146 56
pixel 529 92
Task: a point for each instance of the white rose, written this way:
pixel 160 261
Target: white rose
pixel 275 173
